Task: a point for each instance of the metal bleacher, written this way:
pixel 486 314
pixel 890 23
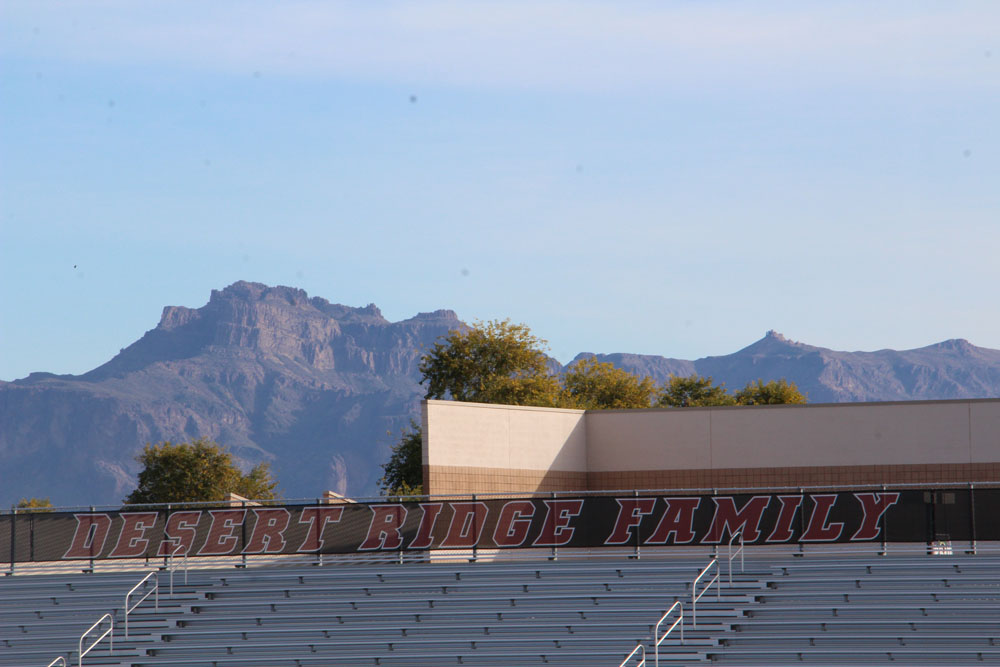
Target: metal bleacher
pixel 821 606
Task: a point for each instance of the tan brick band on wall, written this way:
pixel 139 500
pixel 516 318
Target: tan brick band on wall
pixel 444 480
pixel 468 480
pixel 792 477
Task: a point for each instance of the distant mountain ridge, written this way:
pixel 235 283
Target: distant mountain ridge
pixel 321 391
pixel 948 370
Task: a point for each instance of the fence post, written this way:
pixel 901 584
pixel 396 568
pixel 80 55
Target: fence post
pixel 884 524
pixel 475 527
pixel 715 547
pixel 243 534
pixel 972 516
pixel 92 541
pixel 555 550
pixel 802 518
pixel 635 494
pixel 13 537
pixel 164 539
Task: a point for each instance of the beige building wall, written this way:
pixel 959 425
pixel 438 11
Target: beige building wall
pixel 795 445
pixel 484 448
pixel 487 448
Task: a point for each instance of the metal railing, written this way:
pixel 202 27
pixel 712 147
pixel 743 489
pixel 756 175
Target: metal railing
pixel 109 633
pixel 656 633
pixel 695 595
pixel 739 552
pixel 171 566
pixel 154 590
pixel 638 649
pixel 58 661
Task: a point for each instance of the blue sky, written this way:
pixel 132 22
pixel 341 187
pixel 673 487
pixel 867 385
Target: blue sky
pixel 665 177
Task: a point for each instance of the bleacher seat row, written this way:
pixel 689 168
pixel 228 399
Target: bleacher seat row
pixel 818 608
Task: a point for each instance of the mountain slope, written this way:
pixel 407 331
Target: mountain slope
pixel 322 390
pixel 318 389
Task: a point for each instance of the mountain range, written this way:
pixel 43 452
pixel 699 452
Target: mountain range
pixel 321 391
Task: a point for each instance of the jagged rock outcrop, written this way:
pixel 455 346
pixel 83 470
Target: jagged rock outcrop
pixel 322 390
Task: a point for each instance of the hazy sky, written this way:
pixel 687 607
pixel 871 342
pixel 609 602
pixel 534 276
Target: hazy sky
pixel 671 177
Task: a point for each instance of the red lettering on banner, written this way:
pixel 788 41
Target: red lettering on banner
pixel 181 529
pixel 221 539
pixel 783 526
pixel 383 532
pixel 268 531
pixel 555 529
pixel 727 518
pixel 630 513
pixel 875 505
pixel 819 530
pixel 514 523
pixel 677 520
pixel 317 518
pixel 425 532
pixel 466 525
pixel 91 533
pixel 131 540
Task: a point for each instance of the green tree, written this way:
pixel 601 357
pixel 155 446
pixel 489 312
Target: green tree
pixel 775 392
pixel 403 474
pixel 34 504
pixel 693 391
pixel 199 471
pixel 491 362
pixel 590 384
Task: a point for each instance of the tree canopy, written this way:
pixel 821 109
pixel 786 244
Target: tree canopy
pixel 491 362
pixel 590 384
pixel 34 504
pixel 199 471
pixel 775 392
pixel 403 474
pixel 693 391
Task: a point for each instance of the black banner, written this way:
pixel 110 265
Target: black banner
pixel 593 521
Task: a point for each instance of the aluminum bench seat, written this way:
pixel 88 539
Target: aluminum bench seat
pixel 965 640
pixel 901 655
pixel 394 618
pixel 983 626
pixel 447 587
pixel 365 646
pixel 506 658
pixel 872 595
pixel 451 602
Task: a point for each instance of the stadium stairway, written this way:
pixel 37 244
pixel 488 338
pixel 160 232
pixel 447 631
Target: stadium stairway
pixel 42 617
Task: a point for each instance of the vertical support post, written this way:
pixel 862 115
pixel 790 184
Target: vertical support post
pixel 13 537
pixel 475 527
pixel 555 550
pixel 31 537
pixel 92 546
pixel 972 517
pixel 883 520
pixel 163 540
pixel 635 494
pixel 802 518
pixel 319 554
pixel 715 547
pixel 243 535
